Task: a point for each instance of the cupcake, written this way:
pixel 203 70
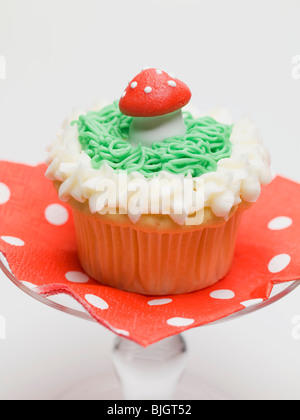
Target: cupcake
pixel 157 191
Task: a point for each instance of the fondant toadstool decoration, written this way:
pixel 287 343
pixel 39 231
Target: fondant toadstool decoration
pixel 155 100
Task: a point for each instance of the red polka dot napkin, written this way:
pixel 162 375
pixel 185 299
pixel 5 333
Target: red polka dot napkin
pixel 38 240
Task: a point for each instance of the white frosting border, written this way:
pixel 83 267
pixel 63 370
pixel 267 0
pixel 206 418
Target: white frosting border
pixel 237 178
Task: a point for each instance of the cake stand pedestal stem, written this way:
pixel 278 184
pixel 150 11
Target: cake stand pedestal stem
pixel 150 373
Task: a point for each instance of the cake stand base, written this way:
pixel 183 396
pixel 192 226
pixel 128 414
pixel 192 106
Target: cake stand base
pixel 157 372
pixel 109 388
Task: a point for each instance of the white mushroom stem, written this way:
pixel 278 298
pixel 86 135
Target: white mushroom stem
pixel 147 130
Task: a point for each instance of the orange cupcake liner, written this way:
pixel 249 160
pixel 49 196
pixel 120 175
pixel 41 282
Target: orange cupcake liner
pixel 151 262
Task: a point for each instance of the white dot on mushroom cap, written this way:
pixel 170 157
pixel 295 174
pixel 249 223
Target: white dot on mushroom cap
pixel 148 89
pixel 133 85
pixel 4 193
pixel 180 322
pixel 172 75
pixel 279 263
pixel 222 294
pixel 96 301
pixel 77 277
pixel 11 240
pixel 56 214
pixel 172 83
pixel 124 93
pixel 158 71
pixel 279 223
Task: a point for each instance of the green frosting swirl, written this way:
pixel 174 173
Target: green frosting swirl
pixel 103 136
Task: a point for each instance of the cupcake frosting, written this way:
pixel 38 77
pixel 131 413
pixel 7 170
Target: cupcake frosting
pixel 236 177
pixel 104 136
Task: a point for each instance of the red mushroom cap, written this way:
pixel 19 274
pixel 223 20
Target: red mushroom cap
pixel 153 93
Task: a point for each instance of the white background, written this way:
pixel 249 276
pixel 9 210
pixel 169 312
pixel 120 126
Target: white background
pixel 65 53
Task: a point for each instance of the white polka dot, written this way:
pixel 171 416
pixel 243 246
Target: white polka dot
pixel 158 71
pixel 251 302
pixel 77 277
pixel 148 89
pixel 4 261
pixel 133 85
pixel 4 193
pixel 172 75
pixel 29 285
pixel 222 294
pixel 180 322
pixel 172 83
pixel 156 302
pixel 279 263
pixel 56 214
pixel 280 223
pixel 120 332
pixel 11 240
pixel 96 301
pixel 124 94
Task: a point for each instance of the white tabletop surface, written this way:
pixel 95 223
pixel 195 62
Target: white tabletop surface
pixel 65 53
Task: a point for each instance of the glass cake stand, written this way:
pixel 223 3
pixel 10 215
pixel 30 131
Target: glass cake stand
pixel 163 363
